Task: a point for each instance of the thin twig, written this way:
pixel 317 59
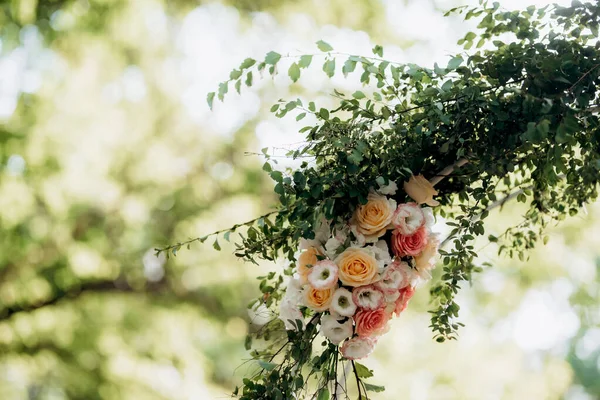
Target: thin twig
pixel 570 90
pixel 202 239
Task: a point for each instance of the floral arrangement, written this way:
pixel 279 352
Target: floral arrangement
pixel 358 274
pixel 500 121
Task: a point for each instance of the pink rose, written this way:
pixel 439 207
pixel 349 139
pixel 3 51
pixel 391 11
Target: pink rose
pixel 402 301
pixel 371 322
pixel 403 245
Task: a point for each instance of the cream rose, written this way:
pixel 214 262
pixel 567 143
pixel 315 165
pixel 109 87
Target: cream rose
pixel 318 299
pixel 357 267
pixel 373 218
pixel 308 258
pixel 421 190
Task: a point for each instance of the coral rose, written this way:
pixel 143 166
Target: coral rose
pixel 421 190
pixel 308 258
pixel 371 322
pixel 357 267
pixel 403 245
pixel 373 218
pixel 318 299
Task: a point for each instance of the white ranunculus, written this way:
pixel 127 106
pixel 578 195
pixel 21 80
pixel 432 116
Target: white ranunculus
pixel 334 330
pixel 342 302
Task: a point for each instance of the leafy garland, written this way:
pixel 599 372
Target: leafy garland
pixel 517 119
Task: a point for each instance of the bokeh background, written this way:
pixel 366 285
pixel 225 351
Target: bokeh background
pixel 108 149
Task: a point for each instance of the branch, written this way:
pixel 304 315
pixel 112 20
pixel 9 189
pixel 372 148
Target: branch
pixel 357 381
pixel 447 171
pixel 105 286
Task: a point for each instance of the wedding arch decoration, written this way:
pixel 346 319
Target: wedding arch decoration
pixel 514 116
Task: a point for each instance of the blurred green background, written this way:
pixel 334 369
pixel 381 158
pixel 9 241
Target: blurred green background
pixel 107 150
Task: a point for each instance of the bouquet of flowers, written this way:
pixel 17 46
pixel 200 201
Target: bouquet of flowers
pixel 356 275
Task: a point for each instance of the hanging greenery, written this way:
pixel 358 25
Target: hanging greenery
pixel 515 116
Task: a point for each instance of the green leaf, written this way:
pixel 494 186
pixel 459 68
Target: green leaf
pixel 378 50
pixel 294 72
pixel 223 88
pixel 324 113
pixel 300 116
pixel 349 66
pixel 249 79
pixel 329 67
pixel 236 73
pixel 247 63
pixel 455 62
pixel 210 98
pixel 324 46
pixel 358 95
pixel 272 58
pixel 216 245
pixel 362 371
pixel 305 61
pixel 323 394
pixel 374 388
pixel 269 366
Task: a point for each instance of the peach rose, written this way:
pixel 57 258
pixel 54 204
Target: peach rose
pixel 307 259
pixel 403 245
pixel 421 190
pixel 371 322
pixel 402 301
pixel 425 261
pixel 373 218
pixel 357 267
pixel 318 299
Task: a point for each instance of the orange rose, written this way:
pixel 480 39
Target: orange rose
pixel 318 299
pixel 373 218
pixel 421 190
pixel 307 259
pixel 356 267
